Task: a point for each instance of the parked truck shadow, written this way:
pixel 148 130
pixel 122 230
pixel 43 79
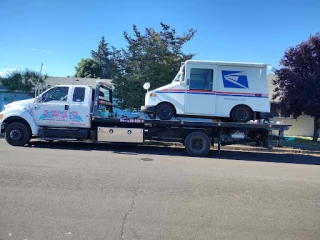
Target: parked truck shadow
pixel 164 149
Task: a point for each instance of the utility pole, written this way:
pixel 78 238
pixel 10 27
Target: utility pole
pixel 37 87
pixel 41 69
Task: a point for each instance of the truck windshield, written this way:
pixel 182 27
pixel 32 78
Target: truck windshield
pixel 179 74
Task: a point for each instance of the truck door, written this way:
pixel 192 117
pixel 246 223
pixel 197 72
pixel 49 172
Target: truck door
pixel 52 107
pixel 80 107
pixel 200 97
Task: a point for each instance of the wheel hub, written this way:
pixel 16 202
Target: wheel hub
pixel 242 114
pixel 16 134
pixel 165 111
pixel 197 143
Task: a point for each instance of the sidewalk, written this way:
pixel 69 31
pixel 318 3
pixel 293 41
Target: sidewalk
pixel 301 146
pixel 288 147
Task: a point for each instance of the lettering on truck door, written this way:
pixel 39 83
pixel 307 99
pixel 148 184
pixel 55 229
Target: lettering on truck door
pixel 52 108
pixel 200 96
pixel 79 108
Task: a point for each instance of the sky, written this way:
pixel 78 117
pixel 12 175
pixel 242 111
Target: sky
pixel 59 33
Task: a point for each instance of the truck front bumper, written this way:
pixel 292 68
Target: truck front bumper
pixel 148 109
pixel 1 123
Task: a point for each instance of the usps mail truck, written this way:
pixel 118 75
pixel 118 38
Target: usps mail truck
pixel 231 90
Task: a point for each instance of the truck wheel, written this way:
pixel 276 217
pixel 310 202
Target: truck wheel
pixel 241 113
pixel 165 111
pixel 197 144
pixel 17 134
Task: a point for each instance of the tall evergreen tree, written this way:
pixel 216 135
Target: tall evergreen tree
pixel 103 56
pixel 153 57
pixel 88 68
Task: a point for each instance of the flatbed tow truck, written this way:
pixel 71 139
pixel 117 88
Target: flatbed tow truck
pixel 83 113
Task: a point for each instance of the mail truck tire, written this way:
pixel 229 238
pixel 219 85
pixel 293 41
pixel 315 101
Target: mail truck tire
pixel 165 111
pixel 17 134
pixel 241 113
pixel 197 144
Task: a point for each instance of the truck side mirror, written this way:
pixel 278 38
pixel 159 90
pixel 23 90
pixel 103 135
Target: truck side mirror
pixel 39 99
pixel 146 86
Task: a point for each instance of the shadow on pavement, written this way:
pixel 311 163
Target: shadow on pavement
pixel 129 149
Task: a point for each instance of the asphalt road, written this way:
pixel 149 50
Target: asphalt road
pixel 85 191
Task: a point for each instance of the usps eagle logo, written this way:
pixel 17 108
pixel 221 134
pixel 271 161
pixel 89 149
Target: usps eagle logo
pixel 235 79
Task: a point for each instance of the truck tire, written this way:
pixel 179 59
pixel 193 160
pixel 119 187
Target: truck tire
pixel 17 134
pixel 241 113
pixel 197 144
pixel 165 111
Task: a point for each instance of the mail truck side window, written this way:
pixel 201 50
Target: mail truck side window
pixel 78 94
pixel 201 79
pixel 56 94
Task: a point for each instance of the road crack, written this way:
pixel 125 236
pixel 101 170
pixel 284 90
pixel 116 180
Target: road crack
pixel 133 202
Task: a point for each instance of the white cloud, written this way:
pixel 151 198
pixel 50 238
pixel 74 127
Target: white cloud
pixel 43 51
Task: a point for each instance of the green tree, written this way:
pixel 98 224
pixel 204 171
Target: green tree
pixel 88 68
pixel 104 56
pixel 153 57
pixel 24 81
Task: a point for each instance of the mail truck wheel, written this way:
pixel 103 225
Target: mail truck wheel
pixel 165 111
pixel 241 113
pixel 17 134
pixel 197 144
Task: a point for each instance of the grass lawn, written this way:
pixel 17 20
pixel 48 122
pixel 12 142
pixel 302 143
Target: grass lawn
pixel 304 140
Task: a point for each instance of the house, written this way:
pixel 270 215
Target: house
pixel 8 97
pixel 302 126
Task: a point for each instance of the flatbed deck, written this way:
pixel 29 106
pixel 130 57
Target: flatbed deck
pixel 224 133
pixel 195 124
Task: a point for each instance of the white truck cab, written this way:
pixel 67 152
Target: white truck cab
pixel 212 89
pixel 63 106
pixel 59 108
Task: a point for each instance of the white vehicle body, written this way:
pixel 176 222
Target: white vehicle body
pixel 207 88
pixel 58 107
pixel 20 109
